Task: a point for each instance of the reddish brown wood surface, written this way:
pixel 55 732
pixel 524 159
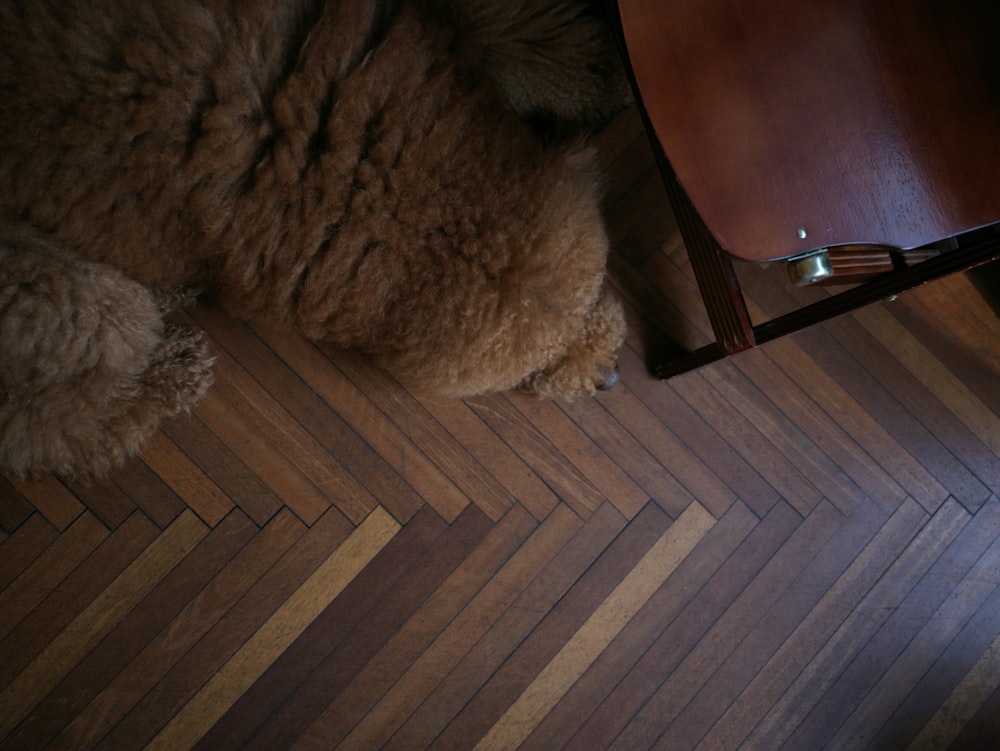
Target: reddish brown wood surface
pixel 853 121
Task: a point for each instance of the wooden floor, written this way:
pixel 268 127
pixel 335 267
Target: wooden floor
pixel 795 549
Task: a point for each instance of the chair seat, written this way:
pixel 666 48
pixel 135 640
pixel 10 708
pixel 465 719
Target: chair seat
pixel 796 125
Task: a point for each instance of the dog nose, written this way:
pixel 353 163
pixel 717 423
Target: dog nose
pixel 611 378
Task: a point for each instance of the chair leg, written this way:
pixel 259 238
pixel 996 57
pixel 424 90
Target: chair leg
pixel 717 282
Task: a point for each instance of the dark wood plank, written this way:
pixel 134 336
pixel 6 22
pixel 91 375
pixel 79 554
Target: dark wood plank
pixel 129 637
pixel 900 727
pixel 799 664
pixel 916 658
pixel 323 635
pixel 51 498
pixel 446 451
pixel 702 441
pixel 407 651
pixel 606 570
pixel 149 492
pixel 294 565
pixel 567 482
pixel 330 677
pixel 688 582
pixel 674 640
pixel 449 697
pixel 23 546
pixel 226 470
pixel 50 569
pixel 313 413
pixel 757 623
pixel 199 615
pixel 75 592
pixel 106 501
pixel 14 507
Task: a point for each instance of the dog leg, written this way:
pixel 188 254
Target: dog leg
pixel 89 367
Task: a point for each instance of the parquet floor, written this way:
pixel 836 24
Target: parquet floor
pixel 795 549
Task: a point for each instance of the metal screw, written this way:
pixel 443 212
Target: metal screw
pixel 802 233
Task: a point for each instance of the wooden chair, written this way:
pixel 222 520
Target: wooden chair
pixel 859 139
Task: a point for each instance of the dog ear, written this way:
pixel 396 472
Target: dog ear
pixel 554 62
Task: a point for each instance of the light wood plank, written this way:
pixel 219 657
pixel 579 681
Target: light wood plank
pixel 201 712
pixel 599 630
pixel 88 628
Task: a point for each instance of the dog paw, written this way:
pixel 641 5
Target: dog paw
pixel 589 364
pixel 181 371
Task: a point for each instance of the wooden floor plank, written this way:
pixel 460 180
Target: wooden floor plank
pixel 186 479
pixel 663 607
pixel 698 441
pixel 604 624
pixel 369 635
pixel 916 660
pixel 392 444
pixel 877 443
pixel 446 451
pixel 410 645
pixel 848 473
pixel 292 443
pixel 584 453
pixel 51 498
pixel 503 636
pixel 618 438
pixel 470 625
pixel 223 468
pixel 133 633
pixel 606 570
pixel 941 318
pixel 150 493
pixel 198 616
pixel 239 624
pixel 105 500
pixel 934 374
pixel 98 619
pixel 975 689
pixel 516 475
pixel 920 401
pixel 791 718
pixel 695 477
pixel 566 481
pixel 50 569
pixel 793 660
pixel 897 628
pixel 673 642
pixel 879 399
pixel 74 593
pixel 753 434
pixel 14 507
pixel 314 414
pixel 260 459
pixel 771 607
pixel 321 636
pixel 290 620
pixel 23 546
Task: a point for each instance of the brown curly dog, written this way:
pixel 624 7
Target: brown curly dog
pixel 336 167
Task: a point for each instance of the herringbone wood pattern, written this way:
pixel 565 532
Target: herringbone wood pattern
pixel 798 548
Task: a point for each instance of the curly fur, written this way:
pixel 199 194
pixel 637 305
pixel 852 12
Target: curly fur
pixel 90 368
pixel 334 167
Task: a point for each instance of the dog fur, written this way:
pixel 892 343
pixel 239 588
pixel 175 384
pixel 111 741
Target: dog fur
pixel 339 168
pixel 89 367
